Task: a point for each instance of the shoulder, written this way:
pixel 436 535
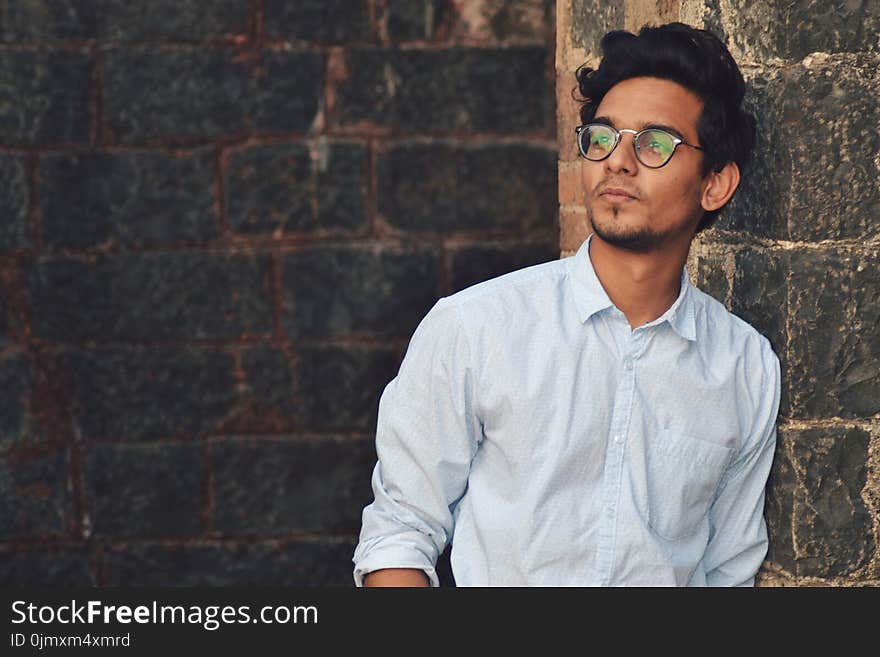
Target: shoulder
pixel 508 289
pixel 725 331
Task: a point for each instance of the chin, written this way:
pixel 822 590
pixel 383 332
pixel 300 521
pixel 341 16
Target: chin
pixel 632 238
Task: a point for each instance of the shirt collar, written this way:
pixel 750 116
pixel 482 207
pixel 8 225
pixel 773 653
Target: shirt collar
pixel 590 297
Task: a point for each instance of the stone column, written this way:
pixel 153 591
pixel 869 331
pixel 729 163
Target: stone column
pixel 795 254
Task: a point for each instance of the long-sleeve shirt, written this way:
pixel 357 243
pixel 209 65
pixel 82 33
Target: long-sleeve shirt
pixel 554 445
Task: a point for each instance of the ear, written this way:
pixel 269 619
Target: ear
pixel 719 186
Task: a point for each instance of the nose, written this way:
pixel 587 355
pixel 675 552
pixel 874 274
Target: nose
pixel 623 157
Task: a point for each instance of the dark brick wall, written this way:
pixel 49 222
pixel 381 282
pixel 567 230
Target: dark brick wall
pixel 221 222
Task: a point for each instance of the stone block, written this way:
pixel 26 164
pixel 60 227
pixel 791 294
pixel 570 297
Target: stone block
pixel 828 122
pixel 128 199
pixel 45 98
pixel 833 348
pixel 834 531
pixel 339 291
pixel 154 94
pixel 278 485
pixel 287 91
pixel 285 188
pixel 16 381
pixel 56 566
pixel 321 21
pixel 151 296
pixel 759 293
pixel 591 19
pixel 341 386
pixel 449 89
pixel 496 21
pixel 145 491
pixel 172 20
pixel 42 21
pixel 473 264
pixel 269 188
pixel 414 20
pixel 445 187
pixel 14 202
pixel 761 204
pixel 35 495
pixel 138 394
pixel 792 30
pixel 712 271
pixel 303 563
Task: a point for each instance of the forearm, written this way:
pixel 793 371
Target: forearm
pixel 396 577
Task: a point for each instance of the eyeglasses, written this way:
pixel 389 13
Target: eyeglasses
pixel 654 147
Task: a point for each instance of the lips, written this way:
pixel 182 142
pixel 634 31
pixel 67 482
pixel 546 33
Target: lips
pixel 617 193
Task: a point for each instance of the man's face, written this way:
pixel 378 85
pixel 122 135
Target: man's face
pixel 663 204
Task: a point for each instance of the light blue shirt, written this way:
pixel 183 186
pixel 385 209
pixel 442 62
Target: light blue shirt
pixel 554 445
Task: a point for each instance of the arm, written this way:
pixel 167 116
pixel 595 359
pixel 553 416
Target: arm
pixel 396 577
pixel 738 533
pixel 427 434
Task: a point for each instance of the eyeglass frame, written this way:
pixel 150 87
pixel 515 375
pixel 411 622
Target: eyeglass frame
pixel 676 141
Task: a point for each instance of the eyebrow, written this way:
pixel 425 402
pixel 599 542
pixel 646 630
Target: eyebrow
pixel 645 126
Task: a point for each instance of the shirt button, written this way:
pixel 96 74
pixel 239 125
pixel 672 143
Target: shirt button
pixel 627 364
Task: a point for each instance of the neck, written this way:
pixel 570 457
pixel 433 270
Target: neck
pixel 641 285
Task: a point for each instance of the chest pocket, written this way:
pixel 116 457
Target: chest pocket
pixel 683 474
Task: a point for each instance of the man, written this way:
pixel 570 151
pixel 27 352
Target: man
pixel 595 420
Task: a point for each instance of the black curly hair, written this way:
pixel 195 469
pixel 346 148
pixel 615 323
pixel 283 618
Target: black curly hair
pixel 695 59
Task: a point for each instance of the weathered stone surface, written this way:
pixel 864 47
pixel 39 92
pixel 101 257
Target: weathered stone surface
pixel 150 94
pixel 407 20
pixel 44 97
pixel 16 379
pixel 337 291
pixel 44 21
pixel 276 485
pixel 591 19
pixel 52 566
pixel 449 89
pixel 323 21
pixel 473 264
pixel 444 187
pixel 268 399
pixel 151 296
pixel 131 199
pixel 829 118
pixel 792 30
pixel 834 350
pixel 759 293
pixel 13 202
pixel 132 394
pixel 762 203
pixel 287 91
pixel 341 386
pixel 324 562
pixel 502 20
pixel 834 530
pixel 149 490
pixel 779 506
pixel 172 20
pixel 710 273
pixel 284 188
pixel 269 188
pixel 35 496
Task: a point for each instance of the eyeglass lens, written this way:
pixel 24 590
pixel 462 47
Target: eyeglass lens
pixel 653 147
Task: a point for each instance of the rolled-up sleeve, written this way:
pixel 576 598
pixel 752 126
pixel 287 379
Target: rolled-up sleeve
pixel 738 532
pixel 426 437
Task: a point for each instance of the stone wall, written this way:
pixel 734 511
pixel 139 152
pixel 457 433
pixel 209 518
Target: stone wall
pixel 221 222
pixel 795 254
